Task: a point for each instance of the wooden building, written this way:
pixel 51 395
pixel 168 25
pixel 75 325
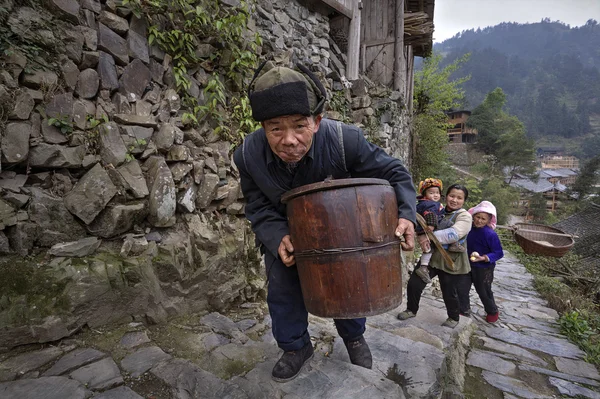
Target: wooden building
pixel 554 193
pixel 381 38
pixel 565 176
pixel 458 132
pixel 558 162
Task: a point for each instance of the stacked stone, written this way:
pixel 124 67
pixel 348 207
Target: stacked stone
pixel 123 168
pixel 288 26
pixel 146 165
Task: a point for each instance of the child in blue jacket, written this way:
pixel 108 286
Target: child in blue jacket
pixel 485 248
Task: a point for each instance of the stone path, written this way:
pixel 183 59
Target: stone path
pixel 524 355
pixel 214 356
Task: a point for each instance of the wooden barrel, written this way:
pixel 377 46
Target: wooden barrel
pixel 348 257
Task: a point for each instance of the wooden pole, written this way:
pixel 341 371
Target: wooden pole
pixel 399 57
pixel 354 43
pixel 410 80
pixel 410 83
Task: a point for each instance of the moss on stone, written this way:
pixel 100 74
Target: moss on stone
pixel 106 339
pixel 33 288
pixel 30 291
pixel 233 368
pixel 476 387
pixel 233 360
pixel 181 342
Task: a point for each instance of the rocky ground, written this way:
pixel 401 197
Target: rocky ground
pixel 231 356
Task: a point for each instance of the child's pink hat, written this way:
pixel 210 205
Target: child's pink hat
pixel 487 207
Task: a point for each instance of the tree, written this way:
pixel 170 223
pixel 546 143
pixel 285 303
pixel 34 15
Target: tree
pixel 545 69
pixel 515 152
pixel 503 136
pixel 485 118
pixel 587 180
pixel 538 207
pixel 590 147
pixel 492 188
pixel 434 95
pixel 504 197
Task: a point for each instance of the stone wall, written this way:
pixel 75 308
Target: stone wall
pixel 293 33
pixel 286 25
pixel 462 154
pixel 111 209
pixel 114 203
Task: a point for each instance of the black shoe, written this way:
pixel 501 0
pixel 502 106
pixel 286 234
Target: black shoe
pixel 466 313
pixel 359 352
pixel 290 364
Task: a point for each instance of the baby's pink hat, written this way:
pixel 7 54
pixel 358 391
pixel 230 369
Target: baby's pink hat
pixel 487 207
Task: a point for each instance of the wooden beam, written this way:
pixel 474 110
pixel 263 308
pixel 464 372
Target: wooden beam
pixel 340 7
pixel 399 58
pixel 410 81
pixel 363 58
pixel 378 42
pixel 354 43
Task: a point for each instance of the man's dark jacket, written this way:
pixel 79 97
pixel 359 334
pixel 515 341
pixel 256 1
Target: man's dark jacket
pixel 265 177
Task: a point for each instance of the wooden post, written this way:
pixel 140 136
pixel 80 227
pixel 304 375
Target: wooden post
pixel 410 80
pixel 354 43
pixel 363 58
pixel 399 58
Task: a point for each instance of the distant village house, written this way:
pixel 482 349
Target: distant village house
pixel 559 161
pixel 565 176
pixel 551 183
pixel 459 132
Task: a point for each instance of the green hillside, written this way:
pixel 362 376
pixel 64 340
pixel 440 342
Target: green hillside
pixel 549 71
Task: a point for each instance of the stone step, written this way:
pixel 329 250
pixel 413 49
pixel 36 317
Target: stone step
pixel 525 354
pixel 214 356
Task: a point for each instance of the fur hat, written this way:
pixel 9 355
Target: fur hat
pixel 283 91
pixel 428 183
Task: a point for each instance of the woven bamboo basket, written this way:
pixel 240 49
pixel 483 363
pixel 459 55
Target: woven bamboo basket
pixel 537 239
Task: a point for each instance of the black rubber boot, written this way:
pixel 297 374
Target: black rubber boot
pixel 359 353
pixel 290 364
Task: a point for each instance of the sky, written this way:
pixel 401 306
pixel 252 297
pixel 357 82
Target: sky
pixel 453 16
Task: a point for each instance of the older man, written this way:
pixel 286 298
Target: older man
pixel 296 147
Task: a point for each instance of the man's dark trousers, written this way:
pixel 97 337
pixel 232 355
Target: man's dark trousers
pixel 288 313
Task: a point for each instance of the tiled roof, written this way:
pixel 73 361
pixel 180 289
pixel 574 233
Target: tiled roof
pixel 561 172
pixel 568 172
pixel 548 173
pixel 560 187
pixel 584 224
pixel 541 186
